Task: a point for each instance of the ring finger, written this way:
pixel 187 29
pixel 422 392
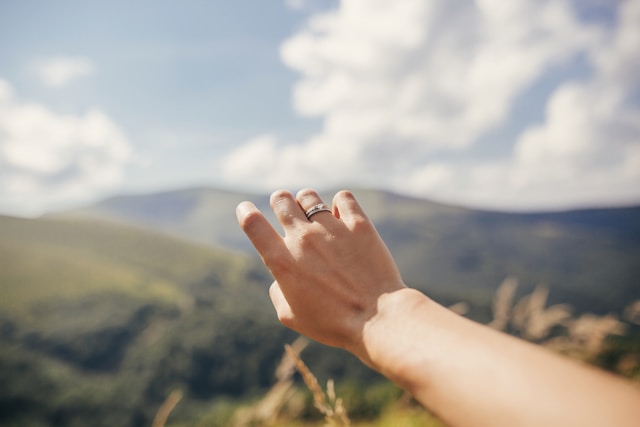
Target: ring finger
pixel 313 206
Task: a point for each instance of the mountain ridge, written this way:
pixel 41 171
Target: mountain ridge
pixel 437 246
pixel 104 313
pixel 162 209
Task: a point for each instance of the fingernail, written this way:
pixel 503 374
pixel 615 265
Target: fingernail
pixel 244 208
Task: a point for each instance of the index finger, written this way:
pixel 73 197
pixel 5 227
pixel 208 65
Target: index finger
pixel 262 235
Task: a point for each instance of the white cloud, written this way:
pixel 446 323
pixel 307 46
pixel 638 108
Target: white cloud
pixel 47 157
pixel 60 71
pixel 254 158
pixel 399 84
pixel 307 5
pixel 264 163
pixel 589 144
pixel 295 4
pixel 6 92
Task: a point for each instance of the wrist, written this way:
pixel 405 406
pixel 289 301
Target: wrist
pixel 393 341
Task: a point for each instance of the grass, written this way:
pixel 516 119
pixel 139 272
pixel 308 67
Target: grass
pixel 62 259
pixel 329 405
pixel 81 280
pixel 287 405
pixel 584 337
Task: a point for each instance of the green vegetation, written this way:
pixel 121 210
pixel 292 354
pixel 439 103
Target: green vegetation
pixel 99 322
pixel 102 317
pixel 440 249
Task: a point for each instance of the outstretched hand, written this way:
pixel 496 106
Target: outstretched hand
pixel 337 283
pixel 331 269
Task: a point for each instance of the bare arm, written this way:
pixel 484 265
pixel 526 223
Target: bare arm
pixel 337 283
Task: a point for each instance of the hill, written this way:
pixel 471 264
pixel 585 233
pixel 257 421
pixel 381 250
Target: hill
pixel 588 257
pixel 107 309
pixel 204 215
pixel 100 321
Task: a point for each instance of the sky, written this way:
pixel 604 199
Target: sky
pixel 518 105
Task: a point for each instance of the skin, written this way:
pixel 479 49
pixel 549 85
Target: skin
pixel 337 283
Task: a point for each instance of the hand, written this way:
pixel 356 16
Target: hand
pixel 330 270
pixel 337 283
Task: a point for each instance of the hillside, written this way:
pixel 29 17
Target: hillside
pixel 204 215
pixel 107 309
pixel 100 321
pixel 588 257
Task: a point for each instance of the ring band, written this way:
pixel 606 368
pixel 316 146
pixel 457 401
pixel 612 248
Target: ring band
pixel 315 209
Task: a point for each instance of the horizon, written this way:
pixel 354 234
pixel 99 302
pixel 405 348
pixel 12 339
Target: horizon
pixel 521 107
pixel 252 196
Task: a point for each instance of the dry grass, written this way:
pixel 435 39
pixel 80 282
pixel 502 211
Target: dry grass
pixel 581 337
pixel 632 313
pixel 553 326
pixel 460 308
pixel 270 408
pixel 283 404
pixel 586 336
pixel 165 409
pixel 327 403
pixel 502 303
pixel 533 319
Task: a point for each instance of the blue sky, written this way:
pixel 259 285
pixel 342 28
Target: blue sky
pixel 520 105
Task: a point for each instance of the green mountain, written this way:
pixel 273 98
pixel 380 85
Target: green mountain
pixel 107 309
pixel 203 215
pixel 588 257
pixel 100 321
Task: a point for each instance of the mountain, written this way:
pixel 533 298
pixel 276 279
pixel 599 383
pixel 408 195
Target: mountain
pixel 100 321
pixel 589 257
pixel 204 215
pixel 105 310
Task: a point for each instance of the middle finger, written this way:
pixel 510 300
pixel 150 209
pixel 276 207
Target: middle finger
pixel 286 208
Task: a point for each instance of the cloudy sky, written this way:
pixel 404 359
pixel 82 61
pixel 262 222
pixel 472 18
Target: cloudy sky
pixel 511 105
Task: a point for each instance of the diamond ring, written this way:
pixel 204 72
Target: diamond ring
pixel 315 209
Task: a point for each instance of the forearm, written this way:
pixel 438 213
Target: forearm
pixel 469 374
pixel 336 282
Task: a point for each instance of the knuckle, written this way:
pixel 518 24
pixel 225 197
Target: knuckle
pixel 309 237
pixel 361 225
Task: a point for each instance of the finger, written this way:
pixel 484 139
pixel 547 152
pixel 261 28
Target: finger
pixel 283 309
pixel 286 208
pixel 347 208
pixel 308 199
pixel 262 235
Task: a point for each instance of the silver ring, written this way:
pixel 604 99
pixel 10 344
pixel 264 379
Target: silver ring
pixel 315 209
